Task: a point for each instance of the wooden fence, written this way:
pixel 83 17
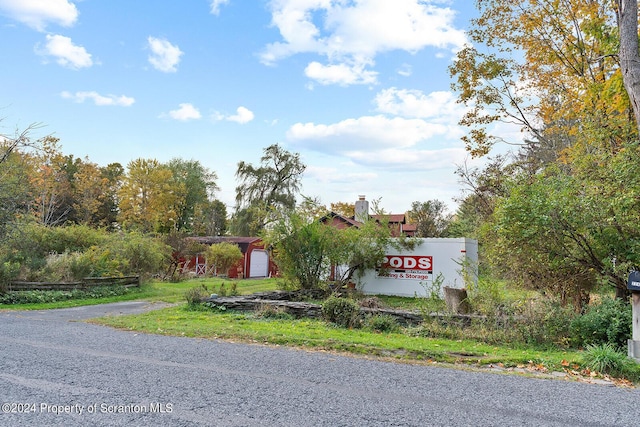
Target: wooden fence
pixel 86 283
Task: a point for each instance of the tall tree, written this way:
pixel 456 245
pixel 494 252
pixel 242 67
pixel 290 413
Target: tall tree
pixel 431 218
pixel 198 184
pixel 14 177
pixel 558 69
pixel 483 188
pixel 347 210
pixel 210 219
pixel 627 14
pixel 263 189
pixel 107 215
pixel 548 66
pixel 21 140
pixel 88 189
pixel 51 188
pixel 149 197
pixel 306 249
pixel 14 190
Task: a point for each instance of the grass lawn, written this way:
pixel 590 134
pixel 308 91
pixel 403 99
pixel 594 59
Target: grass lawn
pixel 319 335
pixel 157 291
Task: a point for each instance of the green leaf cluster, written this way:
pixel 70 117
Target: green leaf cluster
pixel 608 322
pixel 222 256
pixel 310 251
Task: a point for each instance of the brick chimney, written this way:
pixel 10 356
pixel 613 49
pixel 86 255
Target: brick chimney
pixel 362 209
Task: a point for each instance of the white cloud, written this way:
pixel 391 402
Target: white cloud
pixel 439 106
pixel 410 160
pixel 354 33
pixel 421 134
pixel 185 113
pixel 215 6
pixel 66 53
pixel 164 55
pixel 364 133
pixel 80 97
pixel 243 115
pixel 342 74
pixel 38 13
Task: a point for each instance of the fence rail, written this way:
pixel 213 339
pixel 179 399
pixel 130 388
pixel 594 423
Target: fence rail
pixel 86 283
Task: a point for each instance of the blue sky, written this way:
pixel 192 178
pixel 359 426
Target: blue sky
pixel 359 88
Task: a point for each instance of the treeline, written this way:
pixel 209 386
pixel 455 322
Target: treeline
pixel 64 218
pixel 51 188
pixel 561 213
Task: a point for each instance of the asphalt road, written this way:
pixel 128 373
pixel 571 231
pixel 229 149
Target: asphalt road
pixel 56 370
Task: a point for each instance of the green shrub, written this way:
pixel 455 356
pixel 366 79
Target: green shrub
pixel 233 289
pixel 195 296
pixel 223 256
pixel 266 311
pixel 381 323
pixel 606 322
pixel 97 261
pixel 343 312
pixel 230 291
pixel 34 240
pixel 138 254
pixel 490 297
pixel 545 323
pixel 79 251
pixel 432 302
pixel 36 297
pixel 607 359
pixel 8 272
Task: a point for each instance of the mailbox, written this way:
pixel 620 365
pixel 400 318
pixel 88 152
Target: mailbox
pixel 633 284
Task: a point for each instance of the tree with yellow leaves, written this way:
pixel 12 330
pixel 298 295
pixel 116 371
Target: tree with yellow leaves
pixel 149 197
pixel 549 66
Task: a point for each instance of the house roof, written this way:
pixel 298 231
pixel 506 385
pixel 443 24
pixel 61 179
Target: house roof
pixel 210 240
pixel 337 217
pixel 391 218
pixel 410 227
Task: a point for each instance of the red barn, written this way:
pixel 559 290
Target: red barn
pixel 255 263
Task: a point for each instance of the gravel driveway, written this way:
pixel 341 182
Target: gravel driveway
pixel 56 370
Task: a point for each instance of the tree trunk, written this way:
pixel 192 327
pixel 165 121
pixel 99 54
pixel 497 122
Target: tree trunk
pixel 456 300
pixel 622 292
pixel 627 15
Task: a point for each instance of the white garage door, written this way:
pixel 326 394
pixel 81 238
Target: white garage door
pixel 259 264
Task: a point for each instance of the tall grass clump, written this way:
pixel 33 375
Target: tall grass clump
pixel 381 323
pixel 607 359
pixel 500 315
pixel 432 302
pixel 194 297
